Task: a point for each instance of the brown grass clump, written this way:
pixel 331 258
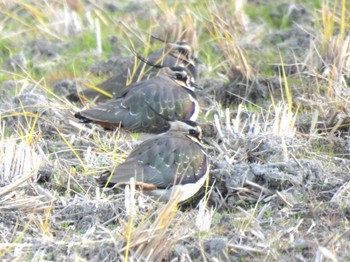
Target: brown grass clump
pixel 276 76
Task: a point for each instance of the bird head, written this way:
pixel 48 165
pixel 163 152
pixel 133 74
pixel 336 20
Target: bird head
pixel 188 127
pixel 182 76
pixel 180 49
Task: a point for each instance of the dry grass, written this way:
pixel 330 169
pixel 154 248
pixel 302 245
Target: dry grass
pixel 280 166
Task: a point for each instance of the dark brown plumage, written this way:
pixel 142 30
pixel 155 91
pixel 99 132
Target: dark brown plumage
pixel 159 165
pixel 174 54
pixel 147 106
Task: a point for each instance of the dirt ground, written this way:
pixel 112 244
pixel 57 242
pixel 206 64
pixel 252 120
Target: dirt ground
pixel 274 112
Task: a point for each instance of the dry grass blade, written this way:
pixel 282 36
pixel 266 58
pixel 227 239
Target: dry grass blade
pixel 28 204
pixel 343 193
pixel 152 240
pixel 98 89
pixel 11 187
pixel 176 27
pixel 259 187
pixel 19 163
pixel 278 194
pixel 248 249
pixel 223 30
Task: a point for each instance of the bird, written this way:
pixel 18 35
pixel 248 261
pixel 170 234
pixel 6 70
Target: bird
pixel 175 160
pixel 172 55
pixel 152 106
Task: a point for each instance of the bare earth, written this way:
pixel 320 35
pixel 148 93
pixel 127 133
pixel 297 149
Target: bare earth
pixel 275 110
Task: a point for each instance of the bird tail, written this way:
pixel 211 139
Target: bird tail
pixel 103 179
pixel 82 119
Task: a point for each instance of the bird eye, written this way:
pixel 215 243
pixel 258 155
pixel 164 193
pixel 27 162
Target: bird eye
pixel 193 132
pixel 184 50
pixel 181 76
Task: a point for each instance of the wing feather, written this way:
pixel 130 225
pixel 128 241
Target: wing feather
pixel 167 160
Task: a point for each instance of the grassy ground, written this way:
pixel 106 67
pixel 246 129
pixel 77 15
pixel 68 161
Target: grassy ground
pixel 276 77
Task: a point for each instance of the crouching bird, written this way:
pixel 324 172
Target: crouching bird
pixel 163 164
pixel 170 94
pixel 172 55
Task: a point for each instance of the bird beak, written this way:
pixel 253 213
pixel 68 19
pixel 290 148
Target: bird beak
pixel 196 60
pixel 196 86
pixel 173 45
pixel 206 141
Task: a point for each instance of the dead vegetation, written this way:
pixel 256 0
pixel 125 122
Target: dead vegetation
pixel 276 79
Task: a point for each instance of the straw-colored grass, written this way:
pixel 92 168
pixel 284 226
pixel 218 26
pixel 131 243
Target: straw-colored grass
pixel 279 184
